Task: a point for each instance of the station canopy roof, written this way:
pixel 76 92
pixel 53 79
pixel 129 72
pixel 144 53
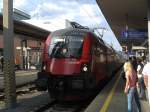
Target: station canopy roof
pixel 122 13
pixel 27 29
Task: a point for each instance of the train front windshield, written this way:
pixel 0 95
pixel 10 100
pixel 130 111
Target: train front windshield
pixel 66 46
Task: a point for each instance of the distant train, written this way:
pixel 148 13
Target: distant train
pixel 75 61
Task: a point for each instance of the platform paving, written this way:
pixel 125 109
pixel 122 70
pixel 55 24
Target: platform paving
pixel 21 72
pixel 118 102
pixel 28 103
pixel 22 77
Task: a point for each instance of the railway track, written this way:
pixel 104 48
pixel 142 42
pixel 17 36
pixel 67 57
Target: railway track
pixel 55 106
pixel 21 90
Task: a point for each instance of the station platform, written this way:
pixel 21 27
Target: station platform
pixel 22 77
pixel 113 99
pixel 21 72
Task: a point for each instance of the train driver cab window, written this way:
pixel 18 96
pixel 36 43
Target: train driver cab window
pixel 66 46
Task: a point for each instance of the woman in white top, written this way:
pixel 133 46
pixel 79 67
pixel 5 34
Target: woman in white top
pixel 146 73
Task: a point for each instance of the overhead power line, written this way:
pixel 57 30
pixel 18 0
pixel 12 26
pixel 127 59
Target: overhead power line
pixel 92 18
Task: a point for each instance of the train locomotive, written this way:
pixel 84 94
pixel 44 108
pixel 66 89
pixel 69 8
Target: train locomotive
pixel 75 61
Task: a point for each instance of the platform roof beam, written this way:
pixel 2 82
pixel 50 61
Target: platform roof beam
pixel 122 13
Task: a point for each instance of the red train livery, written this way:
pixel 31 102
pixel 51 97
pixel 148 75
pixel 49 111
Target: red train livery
pixel 75 61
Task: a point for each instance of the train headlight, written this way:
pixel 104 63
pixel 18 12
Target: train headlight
pixel 84 68
pixel 44 67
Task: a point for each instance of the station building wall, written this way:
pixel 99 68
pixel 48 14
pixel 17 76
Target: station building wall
pixel 33 51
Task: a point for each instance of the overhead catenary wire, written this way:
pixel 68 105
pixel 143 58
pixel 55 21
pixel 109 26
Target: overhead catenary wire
pixel 92 18
pixel 37 15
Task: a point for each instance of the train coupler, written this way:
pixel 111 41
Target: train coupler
pixel 41 81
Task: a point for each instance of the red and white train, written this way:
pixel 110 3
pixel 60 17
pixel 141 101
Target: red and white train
pixel 75 61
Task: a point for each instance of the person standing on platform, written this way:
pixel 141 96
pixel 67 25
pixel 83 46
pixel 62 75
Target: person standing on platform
pixel 141 85
pixel 134 63
pixel 146 73
pixel 130 86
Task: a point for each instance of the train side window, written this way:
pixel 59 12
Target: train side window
pixel 109 53
pixel 102 54
pixel 92 50
pixel 95 49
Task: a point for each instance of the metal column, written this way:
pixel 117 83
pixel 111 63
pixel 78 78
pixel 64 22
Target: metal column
pixel 148 16
pixel 24 54
pixel 9 74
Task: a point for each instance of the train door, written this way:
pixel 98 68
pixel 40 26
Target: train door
pixel 99 61
pixel 110 62
pixel 101 50
pixel 93 60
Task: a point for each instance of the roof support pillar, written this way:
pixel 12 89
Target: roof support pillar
pixel 148 16
pixel 9 74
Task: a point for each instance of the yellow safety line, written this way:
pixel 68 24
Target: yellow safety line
pixel 108 100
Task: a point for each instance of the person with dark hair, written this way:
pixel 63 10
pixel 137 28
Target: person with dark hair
pixel 134 63
pixel 141 85
pixel 130 59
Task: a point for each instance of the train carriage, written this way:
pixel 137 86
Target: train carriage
pixel 75 61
